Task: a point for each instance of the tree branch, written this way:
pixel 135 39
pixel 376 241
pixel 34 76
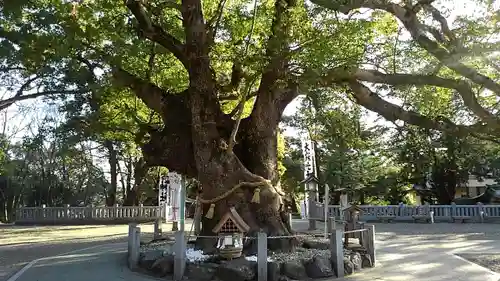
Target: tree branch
pixel 149 93
pixel 370 100
pixel 26 85
pixel 463 88
pixel 194 24
pixel 172 146
pixel 155 33
pixel 214 23
pixel 409 19
pixel 277 46
pixel 442 21
pixel 8 102
pixel 287 96
pixel 273 82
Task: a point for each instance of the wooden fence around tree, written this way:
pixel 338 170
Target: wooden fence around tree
pixel 88 215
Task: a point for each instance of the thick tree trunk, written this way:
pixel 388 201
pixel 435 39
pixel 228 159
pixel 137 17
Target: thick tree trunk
pixel 140 171
pixel 257 151
pixel 195 137
pixel 268 215
pixel 113 161
pixel 193 142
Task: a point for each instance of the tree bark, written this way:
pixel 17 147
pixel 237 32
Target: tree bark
pixel 194 145
pixel 132 196
pixel 113 160
pixel 195 137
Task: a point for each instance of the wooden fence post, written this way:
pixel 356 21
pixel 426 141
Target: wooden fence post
pixel 453 211
pixel 165 212
pixel 135 244
pixel 312 209
pixel 480 211
pixel 337 252
pixel 180 255
pixel 290 217
pixel 157 229
pixel 43 213
pixel 370 242
pixel 262 256
pixel 131 229
pixel 115 213
pixel 67 212
pixel 198 213
pixel 141 211
pixel 331 224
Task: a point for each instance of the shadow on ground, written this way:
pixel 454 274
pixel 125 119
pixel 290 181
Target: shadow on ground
pixel 107 263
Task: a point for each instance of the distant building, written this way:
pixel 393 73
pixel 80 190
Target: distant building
pixel 474 186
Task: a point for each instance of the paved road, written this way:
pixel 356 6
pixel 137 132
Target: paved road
pixel 404 251
pixel 14 256
pixel 58 241
pixel 409 252
pixel 102 263
pixel 419 259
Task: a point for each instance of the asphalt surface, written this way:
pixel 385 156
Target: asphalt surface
pixel 405 252
pixel 101 263
pixel 14 256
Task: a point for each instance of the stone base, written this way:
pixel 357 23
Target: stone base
pixel 310 260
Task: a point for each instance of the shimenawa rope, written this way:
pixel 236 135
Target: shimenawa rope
pixel 255 197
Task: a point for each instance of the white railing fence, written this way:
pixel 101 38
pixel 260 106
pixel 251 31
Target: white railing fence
pixel 89 214
pixel 478 212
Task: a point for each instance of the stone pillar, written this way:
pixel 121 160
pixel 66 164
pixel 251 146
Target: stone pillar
pixel 343 200
pixel 312 188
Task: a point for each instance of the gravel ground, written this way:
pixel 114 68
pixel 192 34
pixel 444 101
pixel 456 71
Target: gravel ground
pixel 299 253
pixel 490 261
pixel 445 232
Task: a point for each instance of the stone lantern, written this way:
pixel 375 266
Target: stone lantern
pixel 311 186
pixel 230 230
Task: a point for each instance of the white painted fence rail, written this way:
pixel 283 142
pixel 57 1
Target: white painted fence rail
pixel 477 213
pixel 90 214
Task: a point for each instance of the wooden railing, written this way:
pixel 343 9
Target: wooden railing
pixel 477 212
pixel 90 214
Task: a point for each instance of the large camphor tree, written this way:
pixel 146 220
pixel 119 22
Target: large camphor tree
pixel 219 74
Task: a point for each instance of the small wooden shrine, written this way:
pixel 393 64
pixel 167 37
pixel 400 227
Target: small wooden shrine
pixel 351 216
pixel 352 213
pixel 231 229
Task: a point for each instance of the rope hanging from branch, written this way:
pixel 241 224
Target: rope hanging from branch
pixel 255 197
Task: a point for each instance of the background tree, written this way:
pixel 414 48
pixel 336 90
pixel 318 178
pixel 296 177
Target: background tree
pixel 219 76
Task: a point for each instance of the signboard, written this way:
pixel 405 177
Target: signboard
pixel 163 195
pixel 174 194
pixel 309 157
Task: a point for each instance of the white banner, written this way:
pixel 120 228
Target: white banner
pixel 174 183
pixel 163 195
pixel 309 157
